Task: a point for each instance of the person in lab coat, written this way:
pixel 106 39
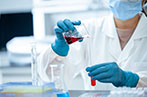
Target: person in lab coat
pixel 117 50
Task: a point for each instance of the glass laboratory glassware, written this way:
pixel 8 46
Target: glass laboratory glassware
pixel 79 33
pixel 57 76
pixel 34 55
pixel 89 58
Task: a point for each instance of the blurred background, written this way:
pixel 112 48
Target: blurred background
pixel 26 21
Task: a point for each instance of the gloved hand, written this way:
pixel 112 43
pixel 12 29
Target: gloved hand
pixel 111 73
pixel 60 46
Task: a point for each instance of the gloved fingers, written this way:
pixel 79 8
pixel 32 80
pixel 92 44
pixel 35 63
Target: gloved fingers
pixel 101 76
pixel 107 80
pixel 89 69
pixel 99 70
pixel 58 32
pixel 76 22
pixel 114 67
pixel 69 24
pixel 61 25
pixel 113 64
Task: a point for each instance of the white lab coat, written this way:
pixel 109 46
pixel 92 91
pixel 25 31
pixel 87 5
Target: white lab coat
pixel 104 47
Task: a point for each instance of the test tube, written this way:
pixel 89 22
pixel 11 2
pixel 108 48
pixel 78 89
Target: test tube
pixel 93 82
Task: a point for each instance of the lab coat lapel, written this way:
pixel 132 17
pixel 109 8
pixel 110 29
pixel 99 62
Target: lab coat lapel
pixel 140 32
pixel 114 48
pixel 126 51
pixel 113 43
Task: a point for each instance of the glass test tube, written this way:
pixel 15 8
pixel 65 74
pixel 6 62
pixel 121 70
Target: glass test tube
pixel 93 82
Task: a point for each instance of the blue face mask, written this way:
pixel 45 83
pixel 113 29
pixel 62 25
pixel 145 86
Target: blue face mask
pixel 125 9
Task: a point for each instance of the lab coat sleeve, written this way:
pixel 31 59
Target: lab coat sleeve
pixel 48 56
pixel 142 79
pixel 73 63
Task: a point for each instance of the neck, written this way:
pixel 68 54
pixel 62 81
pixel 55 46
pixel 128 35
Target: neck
pixel 128 24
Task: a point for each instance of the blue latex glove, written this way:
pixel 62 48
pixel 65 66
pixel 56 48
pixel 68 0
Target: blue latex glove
pixel 60 46
pixel 111 73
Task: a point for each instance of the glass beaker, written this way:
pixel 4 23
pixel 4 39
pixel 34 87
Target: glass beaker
pixel 57 76
pixel 79 33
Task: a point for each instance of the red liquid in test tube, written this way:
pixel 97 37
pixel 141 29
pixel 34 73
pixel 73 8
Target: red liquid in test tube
pixel 93 82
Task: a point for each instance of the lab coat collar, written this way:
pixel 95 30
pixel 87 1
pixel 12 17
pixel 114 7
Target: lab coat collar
pixel 110 32
pixel 141 29
pixel 114 45
pixel 140 32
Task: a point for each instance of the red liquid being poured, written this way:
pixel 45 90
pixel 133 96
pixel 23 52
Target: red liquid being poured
pixel 93 82
pixel 71 40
